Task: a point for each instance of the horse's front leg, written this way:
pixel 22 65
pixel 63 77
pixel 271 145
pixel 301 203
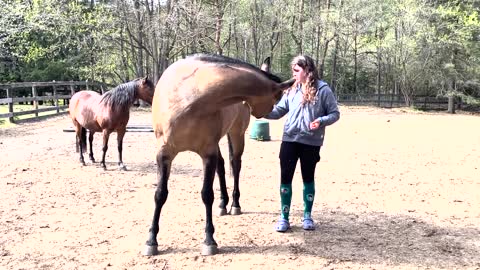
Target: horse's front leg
pixel 90 141
pixel 120 135
pixel 209 165
pixel 164 162
pixel 223 186
pixel 106 135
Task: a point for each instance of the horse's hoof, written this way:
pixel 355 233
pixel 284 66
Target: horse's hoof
pixel 209 250
pixel 150 251
pixel 122 168
pixel 235 211
pixel 222 212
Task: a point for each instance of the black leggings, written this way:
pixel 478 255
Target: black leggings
pixel 290 152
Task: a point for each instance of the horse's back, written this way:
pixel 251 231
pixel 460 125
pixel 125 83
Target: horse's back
pixel 197 102
pixel 193 84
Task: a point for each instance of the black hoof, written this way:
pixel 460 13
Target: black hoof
pixel 235 211
pixel 209 250
pixel 150 251
pixel 222 212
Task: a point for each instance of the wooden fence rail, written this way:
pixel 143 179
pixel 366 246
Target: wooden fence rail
pixel 37 93
pixel 395 101
pixel 29 92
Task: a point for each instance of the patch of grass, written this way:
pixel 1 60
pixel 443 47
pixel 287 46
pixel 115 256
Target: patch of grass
pixel 4 123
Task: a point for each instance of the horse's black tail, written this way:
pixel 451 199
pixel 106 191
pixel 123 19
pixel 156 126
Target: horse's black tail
pixel 83 140
pixel 230 153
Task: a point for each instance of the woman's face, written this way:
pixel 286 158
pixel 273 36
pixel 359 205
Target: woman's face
pixel 299 74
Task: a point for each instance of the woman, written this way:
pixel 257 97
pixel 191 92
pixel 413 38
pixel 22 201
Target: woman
pixel 311 106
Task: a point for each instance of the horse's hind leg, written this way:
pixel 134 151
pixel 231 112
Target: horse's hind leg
pixel 164 163
pixel 79 134
pixel 209 165
pixel 223 186
pixel 106 135
pixel 90 141
pixel 120 135
pixel 236 145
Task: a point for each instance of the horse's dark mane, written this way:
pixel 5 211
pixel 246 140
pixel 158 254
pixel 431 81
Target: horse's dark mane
pixel 122 96
pixel 216 58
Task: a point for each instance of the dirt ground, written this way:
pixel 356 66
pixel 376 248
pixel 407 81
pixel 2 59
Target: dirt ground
pixel 396 189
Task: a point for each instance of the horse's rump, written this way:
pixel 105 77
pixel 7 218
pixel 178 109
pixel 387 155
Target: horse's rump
pixel 83 107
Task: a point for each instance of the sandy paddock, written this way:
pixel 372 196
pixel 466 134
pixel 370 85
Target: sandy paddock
pixel 396 189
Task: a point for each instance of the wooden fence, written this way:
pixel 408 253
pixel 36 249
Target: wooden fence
pixel 43 92
pixel 395 101
pixel 38 93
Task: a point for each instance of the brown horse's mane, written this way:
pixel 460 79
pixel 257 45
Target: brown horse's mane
pixel 216 58
pixel 122 96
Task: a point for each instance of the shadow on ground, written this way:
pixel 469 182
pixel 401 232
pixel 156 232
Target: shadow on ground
pixel 378 238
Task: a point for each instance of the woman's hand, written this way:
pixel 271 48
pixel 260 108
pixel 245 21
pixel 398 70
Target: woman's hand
pixel 315 124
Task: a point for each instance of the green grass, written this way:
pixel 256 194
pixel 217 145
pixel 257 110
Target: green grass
pixel 4 123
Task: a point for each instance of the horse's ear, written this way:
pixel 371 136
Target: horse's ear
pixel 266 65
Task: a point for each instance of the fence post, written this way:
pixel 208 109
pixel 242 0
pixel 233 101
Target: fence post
pixel 86 85
pixel 35 101
pixel 10 105
pixel 451 104
pixel 56 98
pixel 72 90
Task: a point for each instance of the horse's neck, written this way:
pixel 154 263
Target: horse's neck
pixel 112 111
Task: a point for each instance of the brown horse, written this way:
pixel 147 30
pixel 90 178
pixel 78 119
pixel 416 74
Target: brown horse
pixel 106 113
pixel 189 111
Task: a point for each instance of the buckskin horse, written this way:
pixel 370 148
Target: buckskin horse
pixel 188 110
pixel 106 113
pixel 236 118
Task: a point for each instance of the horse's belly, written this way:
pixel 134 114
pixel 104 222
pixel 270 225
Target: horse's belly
pixel 198 136
pixel 89 123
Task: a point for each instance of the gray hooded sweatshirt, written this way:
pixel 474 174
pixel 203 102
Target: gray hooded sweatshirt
pixel 297 126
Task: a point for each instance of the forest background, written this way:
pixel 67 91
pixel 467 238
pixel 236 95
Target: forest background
pixel 397 47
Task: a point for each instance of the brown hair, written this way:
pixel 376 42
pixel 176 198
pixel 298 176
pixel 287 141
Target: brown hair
pixel 308 65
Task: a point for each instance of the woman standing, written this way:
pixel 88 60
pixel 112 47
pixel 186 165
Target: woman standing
pixel 311 106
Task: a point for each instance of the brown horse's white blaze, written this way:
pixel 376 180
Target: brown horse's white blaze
pixel 190 113
pixel 106 113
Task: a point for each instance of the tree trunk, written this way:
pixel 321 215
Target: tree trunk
pixel 219 8
pixel 298 38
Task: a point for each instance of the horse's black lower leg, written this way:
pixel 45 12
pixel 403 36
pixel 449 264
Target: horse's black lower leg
pixel 161 194
pixel 90 141
pixel 236 164
pixel 106 135
pixel 209 166
pixel 120 135
pixel 81 137
pixel 223 186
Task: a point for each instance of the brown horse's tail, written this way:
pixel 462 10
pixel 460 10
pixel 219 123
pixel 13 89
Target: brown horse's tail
pixel 230 152
pixel 83 141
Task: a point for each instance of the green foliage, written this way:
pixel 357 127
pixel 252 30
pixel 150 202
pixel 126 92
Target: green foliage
pixel 52 40
pixel 417 46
